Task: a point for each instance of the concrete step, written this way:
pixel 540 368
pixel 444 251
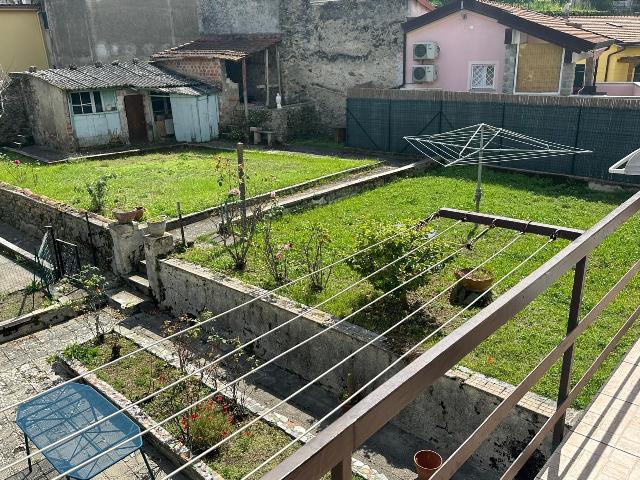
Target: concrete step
pixel 139 283
pixel 127 301
pixel 142 267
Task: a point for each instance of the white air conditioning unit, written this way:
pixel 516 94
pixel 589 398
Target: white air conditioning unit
pixel 426 51
pixel 424 73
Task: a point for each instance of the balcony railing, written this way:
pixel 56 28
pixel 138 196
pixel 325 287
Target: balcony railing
pixel 331 449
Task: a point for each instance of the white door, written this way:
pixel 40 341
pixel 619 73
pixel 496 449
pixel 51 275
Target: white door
pixel 195 119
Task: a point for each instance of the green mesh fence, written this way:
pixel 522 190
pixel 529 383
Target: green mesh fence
pixel 612 133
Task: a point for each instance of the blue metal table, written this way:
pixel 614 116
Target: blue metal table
pixel 67 409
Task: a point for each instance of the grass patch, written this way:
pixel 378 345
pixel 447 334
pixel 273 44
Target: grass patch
pixel 143 373
pixel 514 350
pixel 20 303
pixel 159 180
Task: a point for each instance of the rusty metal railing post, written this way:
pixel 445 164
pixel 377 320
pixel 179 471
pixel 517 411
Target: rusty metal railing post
pixel 342 471
pixel 567 359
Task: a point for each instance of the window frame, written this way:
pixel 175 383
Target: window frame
pixel 483 63
pixel 96 107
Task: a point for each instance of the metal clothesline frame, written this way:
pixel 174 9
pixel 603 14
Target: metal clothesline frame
pixel 471 145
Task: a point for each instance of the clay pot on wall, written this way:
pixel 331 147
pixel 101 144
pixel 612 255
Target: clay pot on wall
pixel 158 227
pixel 427 463
pixel 125 216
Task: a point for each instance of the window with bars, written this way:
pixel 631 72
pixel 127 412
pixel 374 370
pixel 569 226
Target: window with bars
pixel 83 103
pixel 483 75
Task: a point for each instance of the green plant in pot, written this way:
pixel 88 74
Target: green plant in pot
pixel 157 225
pixel 125 214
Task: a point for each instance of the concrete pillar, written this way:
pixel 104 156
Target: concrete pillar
pixel 589 70
pixel 128 246
pixel 509 76
pixel 156 248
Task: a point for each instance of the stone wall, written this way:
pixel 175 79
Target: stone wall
pixel 31 213
pixel 326 47
pixel 567 78
pixel 443 416
pixel 13 120
pixel 510 62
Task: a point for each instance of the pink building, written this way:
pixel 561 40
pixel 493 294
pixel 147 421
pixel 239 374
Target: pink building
pixel 484 46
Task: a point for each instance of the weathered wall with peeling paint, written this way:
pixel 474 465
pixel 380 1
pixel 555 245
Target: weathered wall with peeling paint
pixel 87 31
pixel 326 48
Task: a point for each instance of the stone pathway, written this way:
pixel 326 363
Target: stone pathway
pixel 25 371
pixel 605 444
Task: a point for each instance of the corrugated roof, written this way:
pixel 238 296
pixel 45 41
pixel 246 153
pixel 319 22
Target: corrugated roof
pixel 119 75
pixel 623 29
pixel 227 47
pixel 551 29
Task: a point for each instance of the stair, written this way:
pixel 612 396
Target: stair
pixel 128 301
pixel 139 284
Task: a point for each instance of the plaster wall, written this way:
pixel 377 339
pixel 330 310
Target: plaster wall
pixel 443 416
pixel 617 71
pixel 86 31
pixel 464 37
pixel 21 39
pixel 49 116
pixel 620 89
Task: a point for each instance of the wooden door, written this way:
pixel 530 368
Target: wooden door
pixel 134 108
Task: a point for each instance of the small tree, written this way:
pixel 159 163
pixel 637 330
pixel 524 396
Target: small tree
pixel 315 251
pixel 238 224
pixel 94 284
pixel 5 81
pixel 97 191
pixel 276 255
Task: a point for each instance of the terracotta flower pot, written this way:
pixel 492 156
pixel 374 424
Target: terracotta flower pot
pixel 139 213
pixel 427 463
pixel 479 281
pixel 124 216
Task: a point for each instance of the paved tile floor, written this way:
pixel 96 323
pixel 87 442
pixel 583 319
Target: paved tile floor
pixel 24 371
pixel 605 444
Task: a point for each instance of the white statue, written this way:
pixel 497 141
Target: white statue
pixel 278 100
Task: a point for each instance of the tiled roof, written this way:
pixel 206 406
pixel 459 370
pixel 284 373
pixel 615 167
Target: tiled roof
pixel 116 75
pixel 226 47
pixel 558 24
pixel 555 30
pixel 623 29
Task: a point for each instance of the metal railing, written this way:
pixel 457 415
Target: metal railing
pixel 332 448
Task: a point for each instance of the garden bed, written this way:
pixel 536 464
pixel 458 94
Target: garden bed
pixel 159 180
pixel 143 373
pixel 20 303
pixel 516 348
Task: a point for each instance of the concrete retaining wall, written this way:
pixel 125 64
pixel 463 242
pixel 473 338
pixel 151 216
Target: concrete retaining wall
pixel 443 416
pixel 30 213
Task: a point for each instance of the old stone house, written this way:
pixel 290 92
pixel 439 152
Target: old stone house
pixel 117 104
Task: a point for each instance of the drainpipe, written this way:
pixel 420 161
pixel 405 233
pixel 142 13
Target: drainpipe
pixel 606 67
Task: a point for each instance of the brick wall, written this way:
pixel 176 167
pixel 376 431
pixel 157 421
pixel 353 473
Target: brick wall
pixel 205 69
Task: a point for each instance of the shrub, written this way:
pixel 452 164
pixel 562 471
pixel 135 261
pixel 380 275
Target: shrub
pixel 315 251
pixel 98 192
pixel 407 238
pixel 205 425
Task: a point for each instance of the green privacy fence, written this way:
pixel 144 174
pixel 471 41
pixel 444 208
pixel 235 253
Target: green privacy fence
pixel 378 119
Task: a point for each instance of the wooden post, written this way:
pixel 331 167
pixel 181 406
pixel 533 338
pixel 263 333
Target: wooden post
pixel 279 74
pixel 245 95
pixel 242 188
pixel 266 73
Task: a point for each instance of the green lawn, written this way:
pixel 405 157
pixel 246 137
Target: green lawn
pixel 159 180
pixel 517 347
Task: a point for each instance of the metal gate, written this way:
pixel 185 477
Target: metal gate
pixel 57 258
